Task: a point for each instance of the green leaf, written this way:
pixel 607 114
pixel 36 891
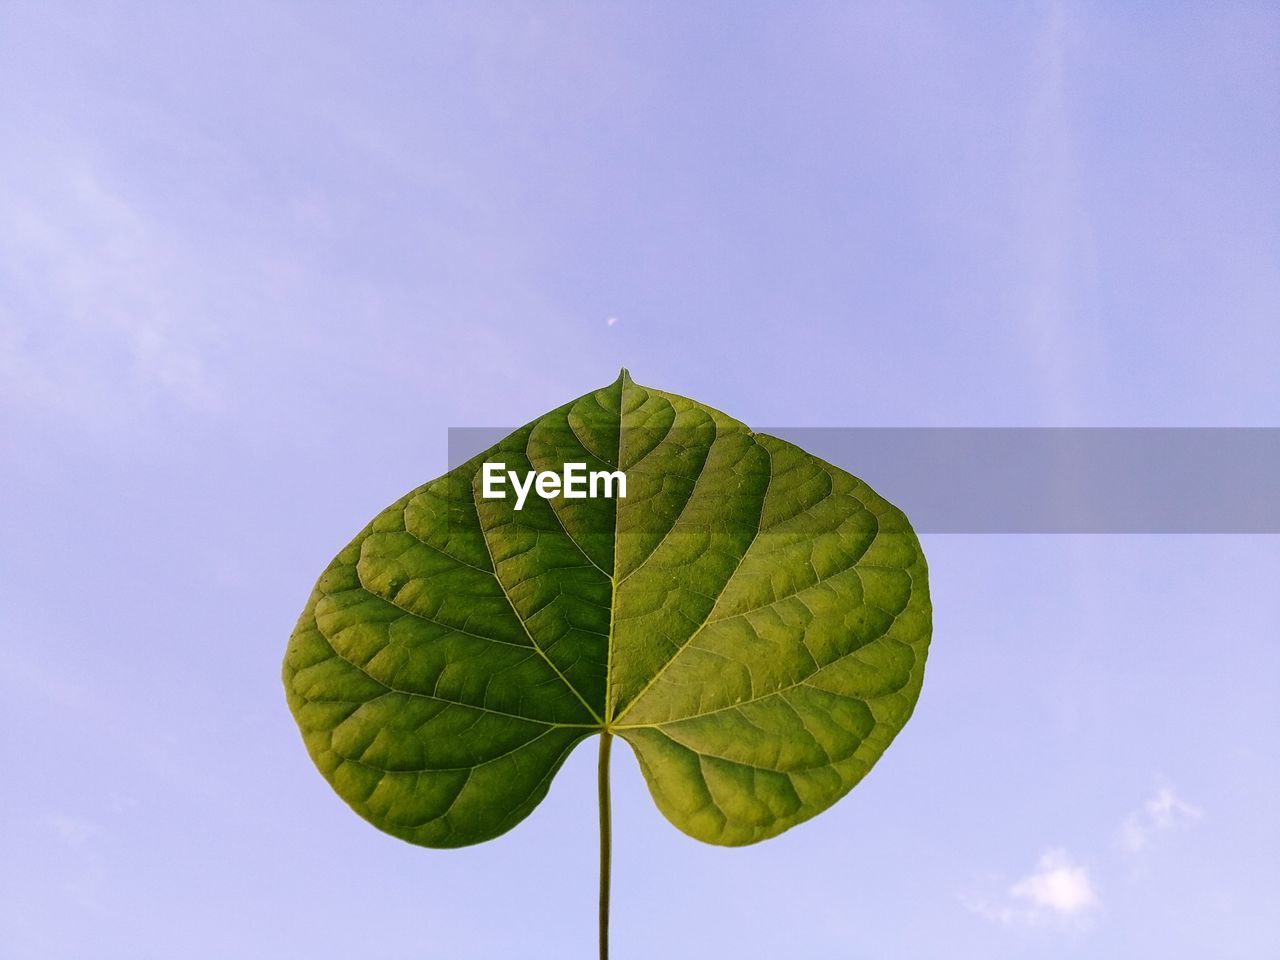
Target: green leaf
pixel 751 620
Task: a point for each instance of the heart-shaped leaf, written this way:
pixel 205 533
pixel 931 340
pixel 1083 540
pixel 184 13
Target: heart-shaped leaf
pixel 752 620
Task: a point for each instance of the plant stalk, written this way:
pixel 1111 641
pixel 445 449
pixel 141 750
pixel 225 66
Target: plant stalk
pixel 606 841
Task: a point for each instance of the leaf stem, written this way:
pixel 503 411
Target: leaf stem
pixel 606 841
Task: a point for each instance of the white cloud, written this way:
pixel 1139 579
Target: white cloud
pixel 1058 885
pixel 1163 812
pixel 1057 890
pixel 612 321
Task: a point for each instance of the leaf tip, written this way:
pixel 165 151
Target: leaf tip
pixel 624 377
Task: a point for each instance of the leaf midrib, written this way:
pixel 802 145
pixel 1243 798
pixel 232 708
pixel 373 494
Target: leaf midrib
pixel 728 580
pixel 484 536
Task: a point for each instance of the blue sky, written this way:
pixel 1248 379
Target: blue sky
pixel 256 259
